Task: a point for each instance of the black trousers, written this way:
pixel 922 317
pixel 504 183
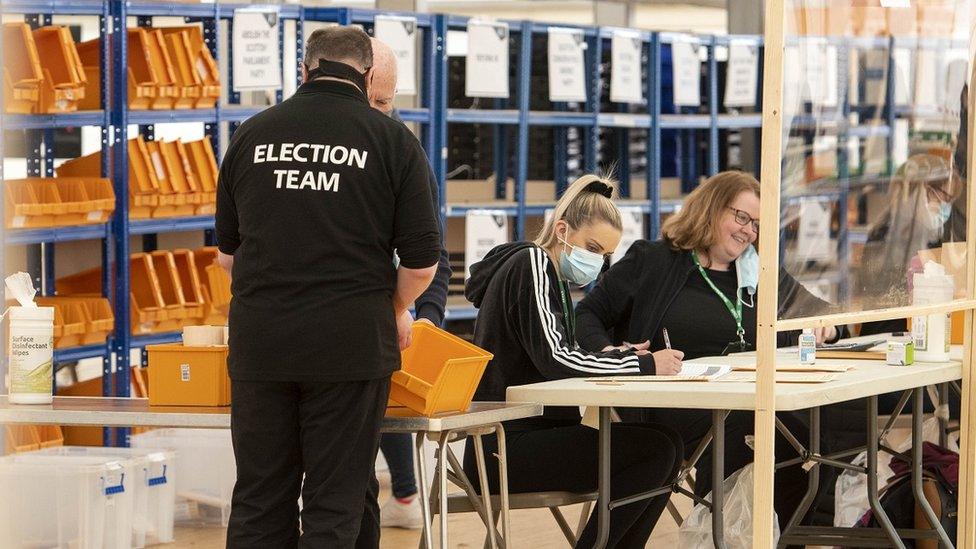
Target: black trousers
pixel 329 432
pixel 643 457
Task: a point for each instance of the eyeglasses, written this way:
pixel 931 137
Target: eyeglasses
pixel 742 218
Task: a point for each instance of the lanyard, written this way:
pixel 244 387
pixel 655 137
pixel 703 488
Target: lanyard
pixel 734 310
pixel 567 304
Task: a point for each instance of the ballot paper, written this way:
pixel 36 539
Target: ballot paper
pixel 784 377
pixel 689 372
pixel 833 368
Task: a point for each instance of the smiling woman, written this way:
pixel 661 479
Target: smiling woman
pixel 697 282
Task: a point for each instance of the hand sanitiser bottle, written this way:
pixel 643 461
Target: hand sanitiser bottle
pixel 808 347
pixel 30 345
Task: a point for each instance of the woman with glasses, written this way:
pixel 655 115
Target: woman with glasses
pixel 698 283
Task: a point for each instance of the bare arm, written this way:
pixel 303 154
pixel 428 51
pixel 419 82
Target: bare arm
pixel 410 284
pixel 225 261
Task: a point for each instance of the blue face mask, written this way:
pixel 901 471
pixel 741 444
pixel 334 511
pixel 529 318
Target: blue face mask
pixel 939 219
pixel 579 266
pixel 747 272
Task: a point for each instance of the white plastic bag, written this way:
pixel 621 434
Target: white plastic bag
pixel 851 490
pixel 696 530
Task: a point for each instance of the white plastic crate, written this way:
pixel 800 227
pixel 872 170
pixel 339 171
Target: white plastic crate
pixel 154 489
pixel 65 503
pixel 207 471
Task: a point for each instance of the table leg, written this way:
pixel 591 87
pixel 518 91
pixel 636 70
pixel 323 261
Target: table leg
pixel 813 480
pixel 943 419
pixel 603 482
pixel 424 490
pixel 917 414
pixel 442 484
pixel 503 483
pixel 718 477
pixel 872 475
pixel 479 452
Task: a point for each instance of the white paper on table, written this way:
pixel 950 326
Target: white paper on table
pixel 483 230
pixel 742 82
pixel 633 230
pixel 703 369
pixel 400 33
pixel 686 71
pixel 486 67
pixel 625 67
pixel 567 79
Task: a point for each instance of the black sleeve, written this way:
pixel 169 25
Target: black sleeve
pixel 226 220
pixel 433 301
pixel 794 297
pixel 542 329
pixel 609 302
pixel 415 234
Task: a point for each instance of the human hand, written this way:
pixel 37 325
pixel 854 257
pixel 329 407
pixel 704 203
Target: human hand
pixel 824 334
pixel 629 347
pixel 667 362
pixel 404 329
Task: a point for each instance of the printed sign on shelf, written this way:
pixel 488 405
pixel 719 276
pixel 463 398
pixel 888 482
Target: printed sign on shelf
pixel 686 71
pixel 742 82
pixel 567 81
pixel 400 33
pixel 483 230
pixel 257 55
pixel 625 67
pixel 486 69
pixel 633 222
pixel 813 239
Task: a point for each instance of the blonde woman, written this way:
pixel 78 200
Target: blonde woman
pixel 699 282
pixel 526 319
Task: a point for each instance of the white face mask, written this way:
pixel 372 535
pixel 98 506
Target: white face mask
pixel 747 272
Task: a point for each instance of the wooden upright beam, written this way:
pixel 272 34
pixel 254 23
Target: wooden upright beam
pixel 770 177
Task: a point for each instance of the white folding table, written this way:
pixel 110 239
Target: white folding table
pixel 480 418
pixel 867 379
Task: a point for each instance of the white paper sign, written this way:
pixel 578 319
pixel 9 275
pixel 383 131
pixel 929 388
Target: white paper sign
pixel 813 239
pixel 257 56
pixel 903 75
pixel 791 76
pixel 483 230
pixel 821 72
pixel 926 82
pixel 400 34
pixel 486 69
pixel 686 71
pixel 633 222
pixel 625 67
pixel 742 80
pixel 567 81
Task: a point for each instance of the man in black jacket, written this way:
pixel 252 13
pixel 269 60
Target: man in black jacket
pixel 314 196
pixel 403 509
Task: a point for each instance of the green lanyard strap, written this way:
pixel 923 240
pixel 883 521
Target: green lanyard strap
pixel 734 310
pixel 570 319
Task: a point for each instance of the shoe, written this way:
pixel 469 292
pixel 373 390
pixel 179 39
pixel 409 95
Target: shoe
pixel 395 514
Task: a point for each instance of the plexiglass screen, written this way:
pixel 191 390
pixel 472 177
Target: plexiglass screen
pixel 873 209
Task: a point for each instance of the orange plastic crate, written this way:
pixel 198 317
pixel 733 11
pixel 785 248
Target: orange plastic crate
pixel 188 376
pixel 64 77
pixel 203 258
pixel 22 438
pixel 439 372
pixel 170 289
pixel 22 73
pixel 49 436
pixel 186 270
pixel 27 203
pixel 204 166
pixel 70 319
pixel 143 183
pixel 219 285
pixel 188 81
pixel 98 315
pixel 167 89
pixel 168 168
pixel 180 172
pixel 203 64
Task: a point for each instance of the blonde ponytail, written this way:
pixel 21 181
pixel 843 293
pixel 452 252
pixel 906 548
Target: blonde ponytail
pixel 579 206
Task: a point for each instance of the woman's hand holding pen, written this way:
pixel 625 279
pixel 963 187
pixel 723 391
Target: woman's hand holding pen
pixel 667 362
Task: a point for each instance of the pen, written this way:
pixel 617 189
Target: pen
pixel 667 340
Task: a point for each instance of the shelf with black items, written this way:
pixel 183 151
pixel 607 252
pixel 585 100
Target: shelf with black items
pixel 114 118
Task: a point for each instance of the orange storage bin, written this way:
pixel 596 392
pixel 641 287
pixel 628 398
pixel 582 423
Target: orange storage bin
pixel 49 436
pixel 188 376
pixel 202 63
pixel 204 166
pixel 187 80
pixel 167 89
pixel 99 319
pixel 64 77
pixel 143 182
pixel 219 284
pixel 142 88
pixel 22 73
pixel 439 372
pixel 51 202
pixel 22 438
pixel 28 203
pixel 204 258
pixel 170 175
pixel 70 320
pixel 171 290
pixel 186 270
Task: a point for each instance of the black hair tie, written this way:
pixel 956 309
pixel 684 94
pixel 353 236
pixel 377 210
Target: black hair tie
pixel 600 187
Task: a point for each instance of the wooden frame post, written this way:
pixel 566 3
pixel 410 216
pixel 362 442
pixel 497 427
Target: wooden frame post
pixel 767 310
